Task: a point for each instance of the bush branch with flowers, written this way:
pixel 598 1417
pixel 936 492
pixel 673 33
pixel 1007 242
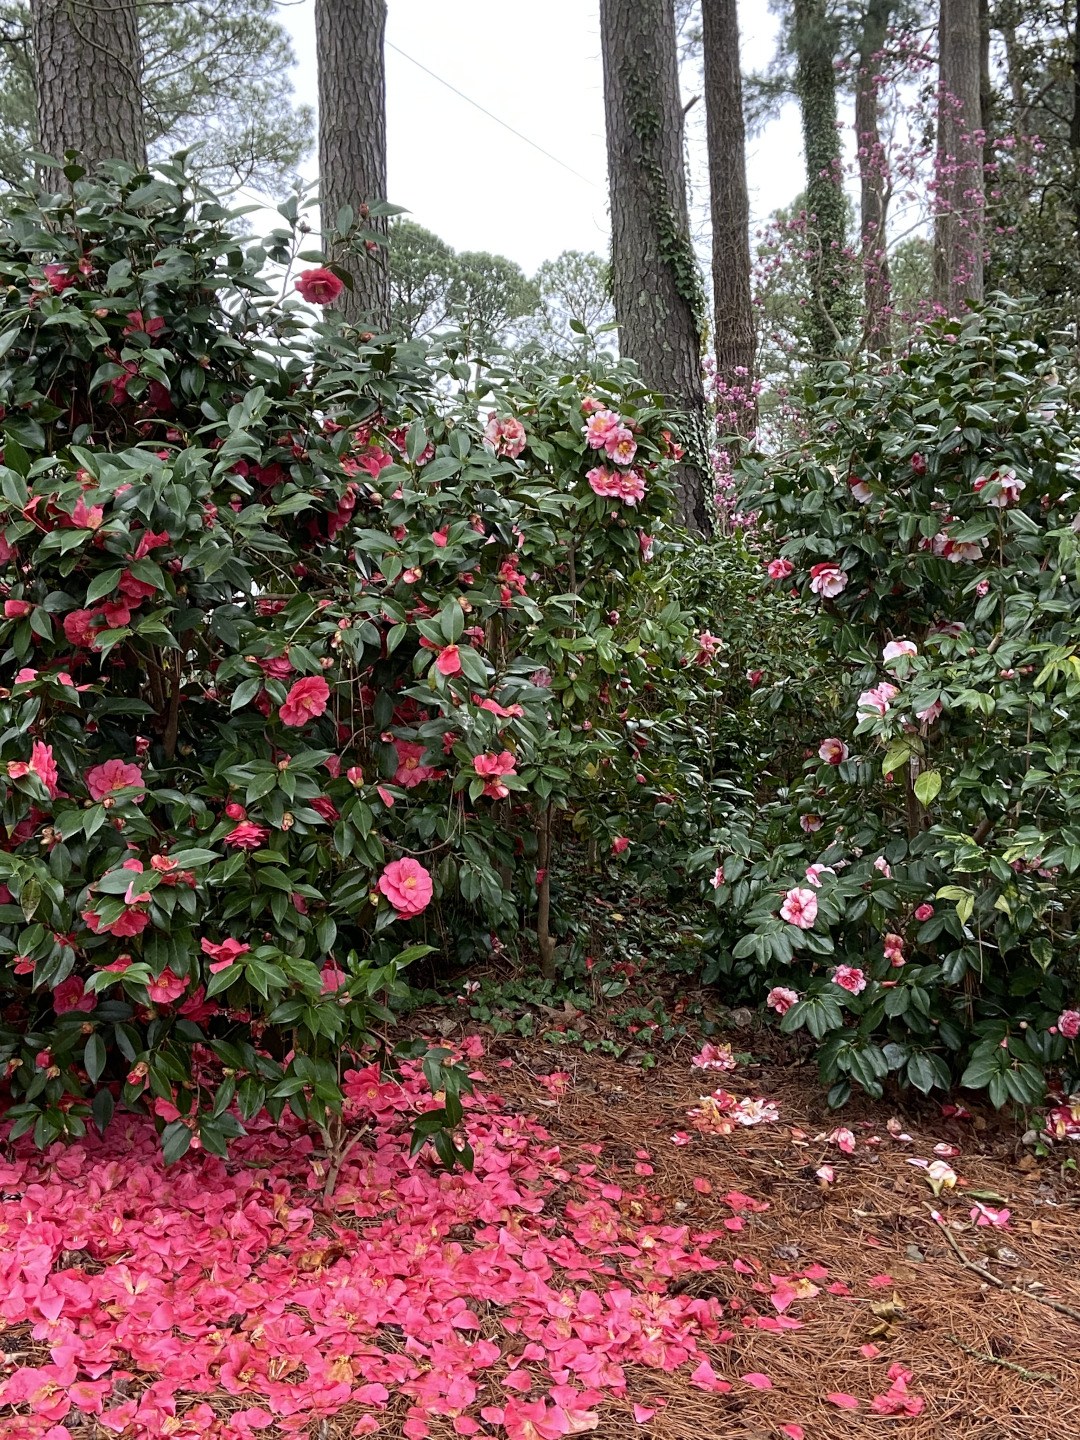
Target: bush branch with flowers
pixel 308 640
pixel 908 890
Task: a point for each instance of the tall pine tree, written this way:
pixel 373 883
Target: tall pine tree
pixel 958 224
pixel 656 282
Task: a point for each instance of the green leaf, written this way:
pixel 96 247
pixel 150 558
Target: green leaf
pixel 928 787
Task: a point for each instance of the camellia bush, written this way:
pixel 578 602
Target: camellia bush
pixel 908 891
pixel 308 641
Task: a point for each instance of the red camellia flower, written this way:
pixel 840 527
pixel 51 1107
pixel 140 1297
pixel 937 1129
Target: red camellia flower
pixel 225 954
pixel 306 701
pixel 247 836
pixel 16 609
pixel 407 885
pixel 619 844
pixel 319 286
pixel 449 661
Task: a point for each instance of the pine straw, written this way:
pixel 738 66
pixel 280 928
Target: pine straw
pixel 862 1226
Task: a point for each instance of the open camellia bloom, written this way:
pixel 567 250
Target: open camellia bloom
pixel 833 751
pixel 407 885
pixel 319 286
pixel 897 648
pixel 849 977
pixel 779 569
pixel 492 768
pixel 800 908
pixel 879 698
pixel 781 999
pixel 306 701
pixel 112 776
pixel 1069 1024
pixel 827 579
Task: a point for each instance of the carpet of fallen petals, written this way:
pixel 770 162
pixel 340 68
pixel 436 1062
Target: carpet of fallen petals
pixel 225 1299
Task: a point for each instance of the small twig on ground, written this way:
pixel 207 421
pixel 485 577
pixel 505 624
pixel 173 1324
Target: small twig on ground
pixel 1006 1364
pixel 1010 1289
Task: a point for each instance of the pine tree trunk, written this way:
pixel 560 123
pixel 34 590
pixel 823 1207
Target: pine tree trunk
pixel 736 334
pixel 958 224
pixel 873 181
pixel 89 80
pixel 352 142
pixel 832 313
pixel 657 287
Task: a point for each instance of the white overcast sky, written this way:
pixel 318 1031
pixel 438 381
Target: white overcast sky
pixel 536 65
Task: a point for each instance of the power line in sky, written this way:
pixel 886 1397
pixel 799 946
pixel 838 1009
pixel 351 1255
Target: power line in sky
pixel 469 101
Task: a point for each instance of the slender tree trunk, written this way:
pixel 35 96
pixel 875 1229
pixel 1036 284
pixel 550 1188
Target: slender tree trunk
pixel 352 143
pixel 986 86
pixel 832 314
pixel 89 79
pixel 1074 124
pixel 873 180
pixel 736 334
pixel 658 295
pixel 958 225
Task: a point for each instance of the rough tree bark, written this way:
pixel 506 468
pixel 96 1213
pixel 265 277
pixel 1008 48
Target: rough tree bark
pixel 657 287
pixel 832 314
pixel 352 141
pixel 1074 124
pixel 89 74
pixel 873 180
pixel 958 223
pixel 733 310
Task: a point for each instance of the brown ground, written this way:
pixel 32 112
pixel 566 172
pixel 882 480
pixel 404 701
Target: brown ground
pixel 1018 1377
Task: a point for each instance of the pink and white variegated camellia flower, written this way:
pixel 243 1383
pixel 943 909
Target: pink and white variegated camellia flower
pixel 827 579
pixel 833 751
pixel 781 999
pixel 879 698
pixel 850 978
pixel 895 649
pixel 714 1057
pixel 779 569
pixel 814 873
pixel 1005 488
pixel 800 908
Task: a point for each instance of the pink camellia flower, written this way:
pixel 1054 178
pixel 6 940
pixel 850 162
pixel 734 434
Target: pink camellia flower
pixel 879 698
pixel 931 713
pixel 41 764
pixel 319 286
pixel 827 579
pixel 620 445
pixel 713 1057
pixel 833 751
pixel 1007 491
pixel 630 487
pixel 225 954
pixel 59 278
pixel 602 481
pixel 924 912
pixel 619 844
pixel 1069 1024
pixel 707 647
pixel 779 569
pixel 646 544
pixel 407 885
pixel 81 627
pixel 882 865
pixel 754 677
pixel 781 999
pixel 810 823
pixel 112 776
pixel 16 609
pixel 355 776
pixel 895 648
pixel 599 426
pixel 506 437
pixel 718 877
pixel 306 701
pixel 894 950
pixel 814 873
pixel 844 1140
pixel 411 771
pixel 860 490
pixel 247 836
pixel 166 988
pixel 799 908
pixel 449 661
pixel 492 768
pixel 849 977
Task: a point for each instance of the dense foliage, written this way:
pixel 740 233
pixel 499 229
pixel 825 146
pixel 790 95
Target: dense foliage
pixel 307 638
pixel 910 887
